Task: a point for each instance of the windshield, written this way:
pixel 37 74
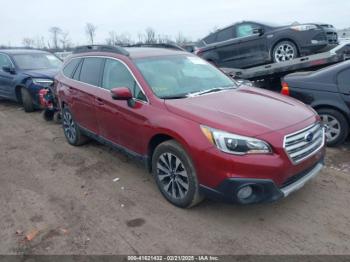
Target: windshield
pixel 180 76
pixel 37 61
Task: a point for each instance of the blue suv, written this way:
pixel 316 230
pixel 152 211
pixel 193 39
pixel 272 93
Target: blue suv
pixel 23 73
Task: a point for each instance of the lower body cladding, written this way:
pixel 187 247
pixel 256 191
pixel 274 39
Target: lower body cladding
pixel 253 191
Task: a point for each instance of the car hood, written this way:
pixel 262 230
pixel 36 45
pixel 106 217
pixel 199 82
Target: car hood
pixel 246 111
pixel 42 73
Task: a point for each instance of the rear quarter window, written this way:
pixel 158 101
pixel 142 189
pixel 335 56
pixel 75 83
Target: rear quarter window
pixel 69 69
pixel 210 39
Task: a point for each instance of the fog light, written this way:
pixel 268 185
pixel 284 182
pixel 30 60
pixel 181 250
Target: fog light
pixel 245 192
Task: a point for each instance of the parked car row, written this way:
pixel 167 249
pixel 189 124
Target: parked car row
pixel 197 131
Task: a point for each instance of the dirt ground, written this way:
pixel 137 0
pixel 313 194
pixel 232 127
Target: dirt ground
pixel 63 199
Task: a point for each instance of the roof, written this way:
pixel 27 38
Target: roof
pixel 143 52
pixel 21 51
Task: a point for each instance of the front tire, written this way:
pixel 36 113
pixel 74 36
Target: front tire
pixel 337 126
pixel 27 100
pixel 175 175
pixel 71 130
pixel 284 51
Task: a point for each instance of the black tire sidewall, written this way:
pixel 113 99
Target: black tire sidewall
pixel 27 100
pixel 296 51
pixel 344 125
pixel 175 149
pixel 77 130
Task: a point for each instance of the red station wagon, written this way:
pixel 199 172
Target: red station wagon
pixel 197 132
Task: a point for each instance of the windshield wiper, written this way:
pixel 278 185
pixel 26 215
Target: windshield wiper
pixel 213 90
pixel 174 97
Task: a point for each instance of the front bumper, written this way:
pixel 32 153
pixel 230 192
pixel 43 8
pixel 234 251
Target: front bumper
pixel 264 190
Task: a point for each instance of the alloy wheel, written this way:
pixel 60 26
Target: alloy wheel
pixel 333 127
pixel 173 176
pixel 284 52
pixel 69 126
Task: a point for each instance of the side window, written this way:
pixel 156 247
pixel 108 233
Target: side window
pixel 117 75
pixel 91 70
pixel 243 30
pixel 69 69
pixel 76 74
pixel 344 81
pixel 4 61
pixel 225 34
pixel 210 39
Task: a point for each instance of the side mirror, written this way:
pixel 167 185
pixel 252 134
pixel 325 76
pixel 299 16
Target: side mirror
pixel 9 69
pixel 121 93
pixel 258 31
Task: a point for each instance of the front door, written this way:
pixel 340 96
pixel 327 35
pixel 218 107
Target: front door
pixel 119 122
pixel 252 47
pixel 7 90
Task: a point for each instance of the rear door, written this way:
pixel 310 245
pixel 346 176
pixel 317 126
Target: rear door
pixel 343 80
pixel 227 48
pixel 252 48
pixel 83 105
pixel 7 89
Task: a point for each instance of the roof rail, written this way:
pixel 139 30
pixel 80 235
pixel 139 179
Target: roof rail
pixel 160 45
pixel 101 48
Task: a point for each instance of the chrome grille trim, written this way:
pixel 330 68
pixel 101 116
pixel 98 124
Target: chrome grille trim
pixel 298 148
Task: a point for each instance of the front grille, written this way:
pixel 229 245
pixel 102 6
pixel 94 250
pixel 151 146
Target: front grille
pixel 304 143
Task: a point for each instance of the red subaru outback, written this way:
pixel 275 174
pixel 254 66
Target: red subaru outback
pixel 194 128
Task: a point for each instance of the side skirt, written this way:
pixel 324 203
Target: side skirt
pixel 116 147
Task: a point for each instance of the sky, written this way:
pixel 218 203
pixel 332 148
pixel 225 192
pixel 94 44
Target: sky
pixel 193 18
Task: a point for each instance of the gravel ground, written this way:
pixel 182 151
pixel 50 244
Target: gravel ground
pixel 59 199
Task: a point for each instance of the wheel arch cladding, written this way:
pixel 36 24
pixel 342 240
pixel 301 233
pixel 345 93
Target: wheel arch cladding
pixel 153 143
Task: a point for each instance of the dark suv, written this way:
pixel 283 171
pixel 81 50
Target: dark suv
pixel 23 73
pixel 248 44
pixel 196 130
pixel 328 92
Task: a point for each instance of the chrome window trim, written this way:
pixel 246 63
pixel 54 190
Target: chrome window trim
pixel 104 89
pixel 301 131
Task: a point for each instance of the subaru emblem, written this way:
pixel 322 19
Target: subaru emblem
pixel 309 137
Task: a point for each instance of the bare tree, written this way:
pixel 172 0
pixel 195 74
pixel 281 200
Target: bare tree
pixel 28 42
pixel 150 36
pixel 65 40
pixel 40 42
pixel 90 30
pixel 141 37
pixel 119 39
pixel 181 39
pixel 55 33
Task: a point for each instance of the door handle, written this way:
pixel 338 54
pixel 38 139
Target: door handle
pixel 99 101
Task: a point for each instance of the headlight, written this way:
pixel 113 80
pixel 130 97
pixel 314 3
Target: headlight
pixel 235 144
pixel 42 82
pixel 304 27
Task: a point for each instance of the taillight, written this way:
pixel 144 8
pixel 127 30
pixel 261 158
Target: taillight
pixel 285 89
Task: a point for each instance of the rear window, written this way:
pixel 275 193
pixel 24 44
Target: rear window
pixel 225 34
pixel 91 70
pixel 69 69
pixel 210 39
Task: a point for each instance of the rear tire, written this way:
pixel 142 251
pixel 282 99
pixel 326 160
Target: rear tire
pixel 284 51
pixel 336 124
pixel 175 175
pixel 71 129
pixel 27 100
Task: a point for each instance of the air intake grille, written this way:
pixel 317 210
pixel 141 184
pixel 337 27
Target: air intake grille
pixel 304 143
